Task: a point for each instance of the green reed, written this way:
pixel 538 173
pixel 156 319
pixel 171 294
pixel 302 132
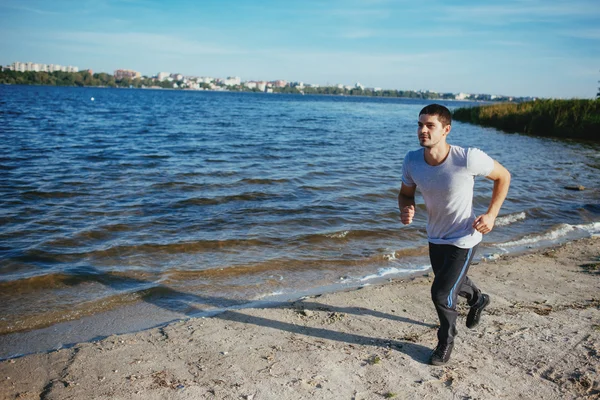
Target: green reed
pixel 575 119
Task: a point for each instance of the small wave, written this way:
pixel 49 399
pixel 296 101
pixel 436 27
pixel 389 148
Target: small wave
pixel 594 208
pixel 250 196
pixel 347 234
pixel 558 232
pixel 321 188
pixel 156 156
pixel 422 251
pixel 592 229
pixel 308 120
pixel 509 219
pixel 338 235
pixel 130 280
pixel 177 185
pixel 180 247
pixel 303 128
pixel 138 251
pixel 85 237
pixel 223 124
pixel 257 181
pixel 382 272
pixel 35 194
pixel 268 295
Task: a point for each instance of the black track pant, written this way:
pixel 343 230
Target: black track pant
pixel 450 265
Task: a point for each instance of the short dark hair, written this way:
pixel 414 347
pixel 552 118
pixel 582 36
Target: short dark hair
pixel 442 113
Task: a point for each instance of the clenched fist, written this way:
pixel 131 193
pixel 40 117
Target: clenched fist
pixel 406 214
pixel 484 223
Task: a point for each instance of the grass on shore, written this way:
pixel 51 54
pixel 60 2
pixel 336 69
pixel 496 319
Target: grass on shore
pixel 573 119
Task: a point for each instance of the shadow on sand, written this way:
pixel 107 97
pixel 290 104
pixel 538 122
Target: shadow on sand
pixel 182 304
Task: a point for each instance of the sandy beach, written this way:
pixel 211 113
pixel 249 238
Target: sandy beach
pixel 540 339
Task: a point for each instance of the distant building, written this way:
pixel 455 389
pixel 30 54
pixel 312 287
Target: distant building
pixel 126 73
pixel 161 76
pixel 206 79
pixel 262 86
pixel 359 86
pixel 232 81
pixel 279 83
pixel 35 67
pixel 462 96
pixel 177 77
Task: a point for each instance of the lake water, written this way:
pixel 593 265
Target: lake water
pixel 196 201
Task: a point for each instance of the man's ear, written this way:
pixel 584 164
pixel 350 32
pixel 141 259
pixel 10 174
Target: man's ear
pixel 447 129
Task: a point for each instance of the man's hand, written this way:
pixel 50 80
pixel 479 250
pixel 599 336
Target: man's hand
pixel 484 223
pixel 406 214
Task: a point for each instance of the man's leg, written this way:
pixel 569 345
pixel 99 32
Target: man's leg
pixel 450 265
pixel 469 291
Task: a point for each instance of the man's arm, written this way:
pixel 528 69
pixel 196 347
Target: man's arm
pixel 501 177
pixel 406 203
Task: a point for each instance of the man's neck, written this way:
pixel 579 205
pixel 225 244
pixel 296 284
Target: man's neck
pixel 437 154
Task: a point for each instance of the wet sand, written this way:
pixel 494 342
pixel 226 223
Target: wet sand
pixel 539 338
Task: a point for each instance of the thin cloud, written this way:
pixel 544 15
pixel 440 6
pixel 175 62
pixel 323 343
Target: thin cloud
pixel 28 9
pixel 406 34
pixel 520 12
pixel 509 43
pixel 360 13
pixel 150 42
pixel 593 34
pixel 359 34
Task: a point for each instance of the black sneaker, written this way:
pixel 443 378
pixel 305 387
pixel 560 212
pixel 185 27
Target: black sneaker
pixel 441 354
pixel 475 312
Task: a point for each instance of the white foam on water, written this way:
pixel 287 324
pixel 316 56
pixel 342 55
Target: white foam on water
pixel 559 232
pixel 509 219
pixel 338 235
pixel 393 271
pixel 593 228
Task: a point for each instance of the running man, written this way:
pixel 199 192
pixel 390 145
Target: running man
pixel 445 174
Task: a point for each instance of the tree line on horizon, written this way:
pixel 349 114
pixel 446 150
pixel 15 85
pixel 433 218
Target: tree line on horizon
pixel 81 78
pixel 85 79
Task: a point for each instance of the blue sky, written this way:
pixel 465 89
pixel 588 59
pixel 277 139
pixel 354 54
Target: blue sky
pixel 542 48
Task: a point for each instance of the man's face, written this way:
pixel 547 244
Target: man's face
pixel 431 132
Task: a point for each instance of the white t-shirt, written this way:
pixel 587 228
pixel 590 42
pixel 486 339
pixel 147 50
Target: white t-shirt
pixel 448 192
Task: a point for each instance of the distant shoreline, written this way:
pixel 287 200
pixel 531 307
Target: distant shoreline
pixel 86 79
pixel 259 93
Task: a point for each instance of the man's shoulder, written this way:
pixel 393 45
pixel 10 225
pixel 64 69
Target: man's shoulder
pixel 460 150
pixel 467 152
